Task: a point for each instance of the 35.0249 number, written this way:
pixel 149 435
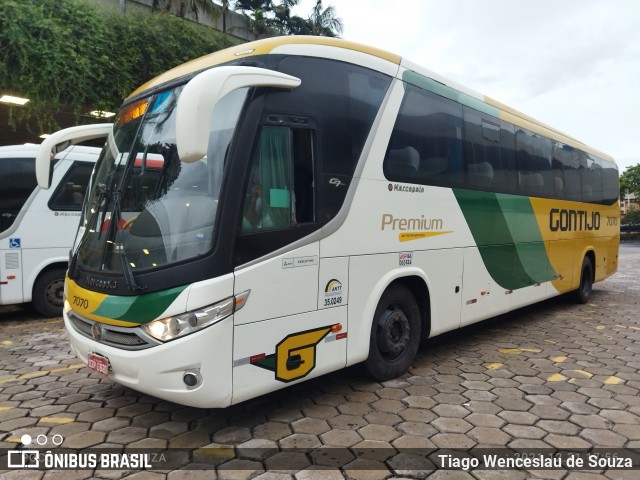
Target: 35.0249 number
pixel 328 302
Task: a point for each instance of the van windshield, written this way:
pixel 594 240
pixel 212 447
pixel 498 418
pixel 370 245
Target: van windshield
pixel 146 208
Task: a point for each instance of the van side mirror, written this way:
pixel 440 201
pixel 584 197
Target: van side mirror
pixel 67 136
pixel 199 98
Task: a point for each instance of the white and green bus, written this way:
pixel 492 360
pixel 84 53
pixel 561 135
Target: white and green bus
pixel 285 208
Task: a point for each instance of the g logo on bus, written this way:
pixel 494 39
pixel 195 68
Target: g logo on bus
pixel 295 355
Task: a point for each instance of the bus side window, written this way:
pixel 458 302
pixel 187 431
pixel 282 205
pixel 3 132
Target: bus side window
pixel 426 143
pixel 280 190
pixel 70 192
pixel 533 155
pixel 489 152
pixel 610 182
pixel 591 177
pixel 569 159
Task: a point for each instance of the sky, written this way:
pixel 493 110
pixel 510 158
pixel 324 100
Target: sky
pixel 572 64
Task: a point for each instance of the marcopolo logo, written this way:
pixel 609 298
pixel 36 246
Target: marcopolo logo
pixel 396 187
pixel 413 228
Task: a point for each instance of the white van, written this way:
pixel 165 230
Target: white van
pixel 37 227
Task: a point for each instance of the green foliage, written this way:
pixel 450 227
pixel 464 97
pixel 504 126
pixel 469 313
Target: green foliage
pixel 632 218
pixel 183 7
pixel 630 181
pixel 71 54
pixel 267 16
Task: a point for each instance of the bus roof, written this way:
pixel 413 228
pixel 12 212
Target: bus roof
pixel 280 44
pixel 259 47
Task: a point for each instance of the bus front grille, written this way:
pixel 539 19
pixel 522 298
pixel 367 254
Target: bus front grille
pixel 127 338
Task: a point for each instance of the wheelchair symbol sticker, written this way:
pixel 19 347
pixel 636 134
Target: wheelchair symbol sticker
pixel 14 243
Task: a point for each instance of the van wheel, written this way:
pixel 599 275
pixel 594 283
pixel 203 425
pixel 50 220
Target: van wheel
pixel 395 334
pixel 48 293
pixel 586 281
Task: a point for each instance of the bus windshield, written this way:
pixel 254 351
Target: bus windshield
pixel 145 208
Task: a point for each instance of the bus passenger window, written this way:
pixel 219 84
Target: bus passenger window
pixel 280 189
pixel 533 155
pixel 610 179
pixel 70 193
pixel 591 177
pixel 569 158
pixel 426 143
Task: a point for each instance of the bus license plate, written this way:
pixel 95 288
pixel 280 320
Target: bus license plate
pixel 98 363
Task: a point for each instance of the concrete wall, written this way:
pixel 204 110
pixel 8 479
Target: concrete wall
pixel 236 24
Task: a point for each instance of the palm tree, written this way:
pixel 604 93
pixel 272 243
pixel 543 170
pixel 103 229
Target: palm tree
pixel 259 16
pixel 265 17
pixel 182 7
pixel 283 18
pixel 324 21
pixel 225 9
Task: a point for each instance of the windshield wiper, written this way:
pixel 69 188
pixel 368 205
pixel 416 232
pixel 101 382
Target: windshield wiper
pixel 112 232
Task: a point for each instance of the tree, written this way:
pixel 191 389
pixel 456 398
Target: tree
pixel 259 14
pixel 225 9
pixel 630 181
pixel 632 218
pixel 283 18
pixel 182 7
pixel 266 16
pixel 323 21
pixel 71 56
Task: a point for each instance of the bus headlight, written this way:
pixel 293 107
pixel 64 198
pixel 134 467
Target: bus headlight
pixel 170 328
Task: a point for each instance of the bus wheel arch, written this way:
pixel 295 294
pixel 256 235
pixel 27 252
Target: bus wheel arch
pixel 587 277
pixel 400 320
pixel 48 290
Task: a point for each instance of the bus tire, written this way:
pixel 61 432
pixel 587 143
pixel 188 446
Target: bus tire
pixel 48 293
pixel 395 334
pixel 585 288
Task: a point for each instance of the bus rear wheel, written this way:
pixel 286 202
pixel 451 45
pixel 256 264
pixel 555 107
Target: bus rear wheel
pixel 586 281
pixel 48 293
pixel 395 334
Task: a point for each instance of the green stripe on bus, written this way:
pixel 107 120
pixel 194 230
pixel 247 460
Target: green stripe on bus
pixel 526 236
pixel 443 90
pixel 505 230
pixel 139 309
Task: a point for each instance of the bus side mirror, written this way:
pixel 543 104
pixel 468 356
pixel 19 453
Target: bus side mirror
pixel 68 136
pixel 199 98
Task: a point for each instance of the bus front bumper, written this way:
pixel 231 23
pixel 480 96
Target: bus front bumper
pixel 165 371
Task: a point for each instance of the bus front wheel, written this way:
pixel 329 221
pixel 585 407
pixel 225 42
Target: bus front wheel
pixel 395 334
pixel 48 293
pixel 586 281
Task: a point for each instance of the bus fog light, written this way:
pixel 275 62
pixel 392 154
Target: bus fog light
pixel 192 379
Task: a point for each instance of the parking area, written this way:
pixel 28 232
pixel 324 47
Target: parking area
pixel 556 376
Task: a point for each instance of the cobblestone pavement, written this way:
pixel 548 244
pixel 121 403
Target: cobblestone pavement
pixel 554 375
